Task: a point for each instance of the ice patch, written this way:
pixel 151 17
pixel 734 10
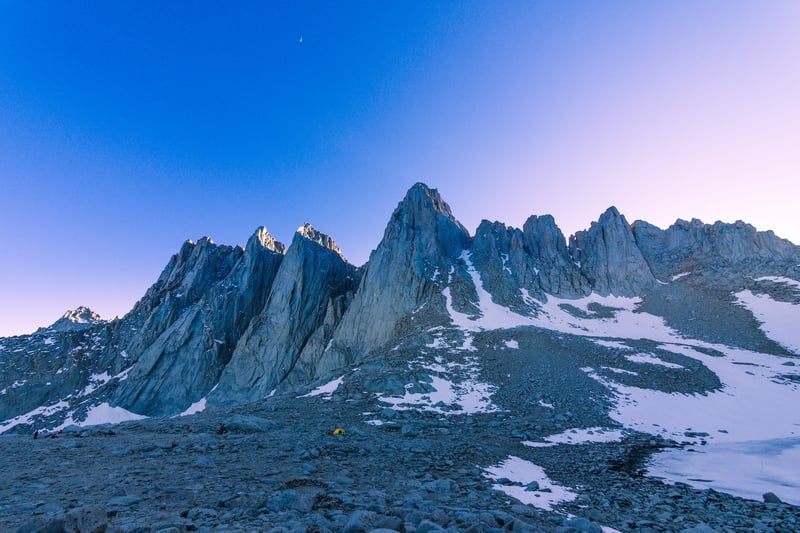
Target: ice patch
pixel 325 390
pixel 523 473
pixel 579 436
pixel 437 343
pixel 760 467
pixel 779 320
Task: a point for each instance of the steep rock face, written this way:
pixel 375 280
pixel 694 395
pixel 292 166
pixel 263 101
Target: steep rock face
pixel 225 288
pixel 312 282
pixel 687 246
pixel 552 264
pixel 499 256
pixel 609 258
pixel 413 262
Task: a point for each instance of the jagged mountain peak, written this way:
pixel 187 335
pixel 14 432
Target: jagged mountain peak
pixel 79 318
pixel 424 220
pixel 263 238
pixel 612 216
pixel 420 196
pixel 309 232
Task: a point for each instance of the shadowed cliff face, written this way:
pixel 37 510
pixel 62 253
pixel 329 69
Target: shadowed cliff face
pixel 209 297
pixel 312 277
pixel 230 324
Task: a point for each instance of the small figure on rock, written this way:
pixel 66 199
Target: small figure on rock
pixel 36 434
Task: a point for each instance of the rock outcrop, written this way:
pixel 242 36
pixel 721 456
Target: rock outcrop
pixel 312 280
pixel 206 297
pixel 609 258
pixel 689 246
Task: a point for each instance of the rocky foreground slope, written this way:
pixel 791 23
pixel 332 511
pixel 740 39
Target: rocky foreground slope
pixel 506 380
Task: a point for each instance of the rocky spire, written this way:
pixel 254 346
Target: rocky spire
pixel 609 258
pixel 310 278
pixel 307 231
pixel 264 239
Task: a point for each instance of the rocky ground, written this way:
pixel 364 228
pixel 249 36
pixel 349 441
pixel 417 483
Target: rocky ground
pixel 277 466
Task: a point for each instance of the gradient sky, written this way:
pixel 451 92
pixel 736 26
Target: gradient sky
pixel 127 127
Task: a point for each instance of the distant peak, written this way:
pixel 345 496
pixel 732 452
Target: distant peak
pixel 79 318
pixel 82 314
pixel 307 231
pixel 264 238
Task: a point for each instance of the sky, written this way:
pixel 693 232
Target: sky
pixel 128 127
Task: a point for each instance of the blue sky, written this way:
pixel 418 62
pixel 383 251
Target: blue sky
pixel 129 127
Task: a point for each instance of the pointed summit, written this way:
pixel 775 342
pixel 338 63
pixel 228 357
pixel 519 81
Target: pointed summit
pixel 264 238
pixel 77 319
pixel 420 246
pixel 609 258
pixel 307 231
pixel 421 197
pixel 424 221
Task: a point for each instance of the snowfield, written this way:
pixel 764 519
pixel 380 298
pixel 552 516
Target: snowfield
pixel 751 422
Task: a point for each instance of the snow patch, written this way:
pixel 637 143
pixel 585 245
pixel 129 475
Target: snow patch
pixel 650 359
pixel 106 414
pixel 780 279
pixel 45 410
pixel 778 320
pixel 676 277
pixel 612 344
pixel 619 370
pixel 197 407
pixel 448 398
pixel 579 436
pixel 325 390
pixel 512 344
pixel 523 473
